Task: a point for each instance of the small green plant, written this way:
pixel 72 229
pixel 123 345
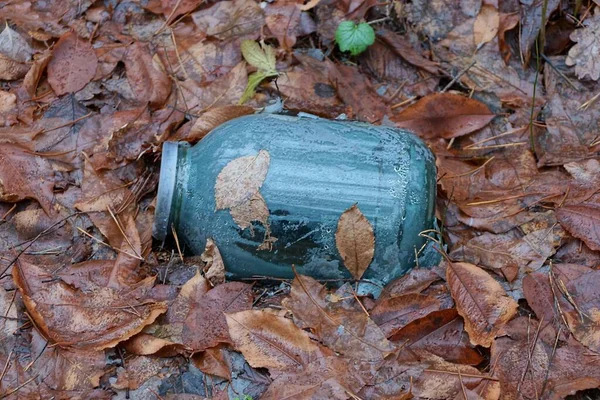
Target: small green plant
pixel 244 397
pixel 354 38
pixel 263 58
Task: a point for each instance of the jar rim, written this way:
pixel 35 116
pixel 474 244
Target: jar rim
pixel 166 190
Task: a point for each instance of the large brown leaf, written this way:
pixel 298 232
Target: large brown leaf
pixel 241 179
pixel 90 320
pixel 444 115
pixel 583 222
pixel 205 324
pixel 355 241
pixel 269 341
pixel 349 332
pixel 441 333
pixel 210 120
pixel 480 300
pixel 24 175
pixel 146 76
pixel 73 64
pixel 394 313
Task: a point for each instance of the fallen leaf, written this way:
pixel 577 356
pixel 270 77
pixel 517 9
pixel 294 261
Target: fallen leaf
pixel 146 76
pixel 288 21
pixel 480 300
pixel 441 333
pixel 355 241
pixel 583 222
pixel 230 19
pixel 139 369
pixel 73 64
pixel 213 361
pixel 486 25
pixel 214 268
pixel 585 53
pixel 212 119
pixel 533 16
pixel 414 281
pixel 270 341
pixel 351 333
pixel 205 324
pixel 66 369
pixel 394 313
pixel 24 175
pixel 506 23
pixel 8 108
pixel 402 47
pixel 93 320
pixel 444 115
pixel 241 179
pixel 15 53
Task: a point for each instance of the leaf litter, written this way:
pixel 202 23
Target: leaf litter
pixel 90 308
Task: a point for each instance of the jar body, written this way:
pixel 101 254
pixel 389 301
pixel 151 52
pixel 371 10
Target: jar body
pixel 317 169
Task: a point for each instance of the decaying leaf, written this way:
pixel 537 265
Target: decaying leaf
pixel 486 24
pixel 355 241
pixel 480 300
pixel 352 333
pixel 146 76
pixel 15 53
pixel 583 222
pixel 393 313
pixel 212 119
pixel 214 361
pixel 24 175
pixel 270 341
pixel 241 179
pixel 214 268
pixel 228 19
pixel 444 115
pixel 205 325
pixel 93 320
pixel 73 64
pixel 586 53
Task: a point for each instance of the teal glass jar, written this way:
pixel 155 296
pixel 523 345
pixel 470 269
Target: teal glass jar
pixel 270 189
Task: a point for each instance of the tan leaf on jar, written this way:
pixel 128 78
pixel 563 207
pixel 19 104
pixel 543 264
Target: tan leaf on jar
pixel 355 241
pixel 241 179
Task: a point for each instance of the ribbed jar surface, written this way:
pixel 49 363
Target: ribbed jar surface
pixel 318 169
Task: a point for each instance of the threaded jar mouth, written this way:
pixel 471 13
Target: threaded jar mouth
pixel 166 190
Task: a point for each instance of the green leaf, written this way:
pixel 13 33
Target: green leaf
pixel 253 81
pixel 261 58
pixel 354 38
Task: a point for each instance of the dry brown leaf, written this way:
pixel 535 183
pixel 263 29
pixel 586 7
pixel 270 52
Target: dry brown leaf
pixel 8 108
pixel 355 241
pixel 205 324
pixel 139 369
pixel 583 222
pixel 214 268
pixel 15 53
pixel 480 300
pixel 212 119
pixel 586 53
pixel 270 341
pixel 402 47
pixel 93 320
pixel 253 210
pixel 73 64
pixel 24 175
pixel 444 115
pixel 486 25
pixel 241 179
pixel 146 76
pixel 214 361
pixel 230 19
pixel 349 332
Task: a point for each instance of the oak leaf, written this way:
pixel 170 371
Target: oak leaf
pixel 586 53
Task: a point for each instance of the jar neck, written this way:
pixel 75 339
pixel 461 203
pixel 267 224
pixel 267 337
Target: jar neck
pixel 165 215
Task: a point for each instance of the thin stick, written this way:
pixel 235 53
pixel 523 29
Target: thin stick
pixel 108 245
pixel 114 217
pixel 457 77
pixel 466 375
pixel 176 242
pixel 529 355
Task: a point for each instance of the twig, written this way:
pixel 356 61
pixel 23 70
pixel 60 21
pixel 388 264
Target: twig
pixel 489 378
pixel 176 242
pixel 457 77
pixel 108 245
pixel 529 355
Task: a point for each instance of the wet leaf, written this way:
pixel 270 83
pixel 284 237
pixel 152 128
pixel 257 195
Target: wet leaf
pixel 441 333
pixel 230 19
pixel 402 47
pixel 205 324
pixel 15 53
pixel 444 115
pixel 241 179
pixel 583 222
pixel 394 313
pixel 146 76
pixel 212 119
pixel 480 300
pixel 73 64
pixel 584 55
pixel 351 333
pixel 213 361
pixel 355 241
pixel 93 320
pixel 269 341
pixel 24 175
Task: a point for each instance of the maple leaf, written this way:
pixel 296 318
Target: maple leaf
pixel 585 55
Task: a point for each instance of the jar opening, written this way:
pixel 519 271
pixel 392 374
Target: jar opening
pixel 166 190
